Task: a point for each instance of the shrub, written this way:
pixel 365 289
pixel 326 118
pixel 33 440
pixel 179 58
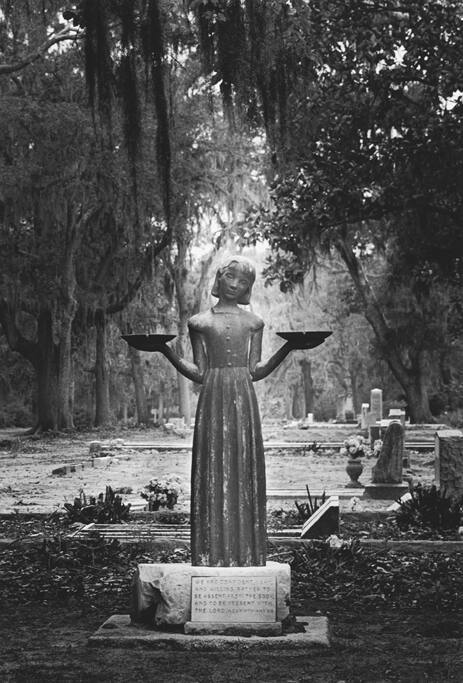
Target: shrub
pixel 306 510
pixel 15 414
pixel 105 509
pixel 429 507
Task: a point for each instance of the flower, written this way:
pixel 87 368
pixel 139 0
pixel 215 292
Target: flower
pixel 162 492
pixel 354 447
pixel 378 444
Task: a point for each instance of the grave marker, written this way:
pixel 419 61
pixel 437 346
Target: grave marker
pixel 376 403
pixel 448 463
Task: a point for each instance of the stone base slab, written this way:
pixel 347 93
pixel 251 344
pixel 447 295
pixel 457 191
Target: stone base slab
pixel 161 593
pixel 210 628
pixel 119 631
pixel 385 491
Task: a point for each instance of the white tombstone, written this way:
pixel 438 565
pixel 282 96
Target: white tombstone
pixel 364 423
pixel 376 403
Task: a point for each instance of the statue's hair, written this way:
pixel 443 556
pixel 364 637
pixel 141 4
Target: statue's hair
pixel 246 265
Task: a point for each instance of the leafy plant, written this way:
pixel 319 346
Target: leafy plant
pixel 105 509
pixel 306 510
pixel 429 507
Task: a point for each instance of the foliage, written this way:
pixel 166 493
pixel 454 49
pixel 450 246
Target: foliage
pixel 350 575
pixel 430 507
pixel 306 510
pixel 104 509
pixel 162 493
pixel 377 178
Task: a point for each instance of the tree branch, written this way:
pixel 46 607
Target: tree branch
pixel 67 33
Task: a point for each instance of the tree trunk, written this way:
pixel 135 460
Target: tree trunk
pixel 102 407
pixel 307 383
pixel 298 402
pixel 416 394
pixel 411 379
pixel 47 368
pixel 184 398
pixel 140 394
pixel 183 382
pixel 65 417
pixel 180 273
pixel 161 403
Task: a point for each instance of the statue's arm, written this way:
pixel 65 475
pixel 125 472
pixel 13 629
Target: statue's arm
pixel 258 368
pixel 194 371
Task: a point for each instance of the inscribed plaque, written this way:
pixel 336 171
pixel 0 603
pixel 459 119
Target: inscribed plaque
pixel 230 599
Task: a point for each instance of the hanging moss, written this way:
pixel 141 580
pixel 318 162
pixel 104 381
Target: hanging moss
pixel 153 53
pixel 98 63
pixel 135 28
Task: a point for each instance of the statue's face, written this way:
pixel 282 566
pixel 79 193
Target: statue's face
pixel 234 283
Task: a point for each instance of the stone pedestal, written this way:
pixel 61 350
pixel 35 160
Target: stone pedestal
pixel 227 596
pixel 448 463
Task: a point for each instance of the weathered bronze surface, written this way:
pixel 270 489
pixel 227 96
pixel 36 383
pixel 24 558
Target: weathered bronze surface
pixel 228 496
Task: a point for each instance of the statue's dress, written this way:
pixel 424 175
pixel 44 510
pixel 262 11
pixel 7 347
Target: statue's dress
pixel 228 495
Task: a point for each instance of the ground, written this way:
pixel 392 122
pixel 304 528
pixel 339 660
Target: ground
pixel 45 638
pixel 28 484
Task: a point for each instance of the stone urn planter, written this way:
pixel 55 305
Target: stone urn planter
pixel 354 448
pixel 354 469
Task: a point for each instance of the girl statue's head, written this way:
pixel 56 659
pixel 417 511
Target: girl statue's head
pixel 245 267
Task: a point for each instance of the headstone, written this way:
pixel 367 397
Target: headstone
pixel 386 479
pixel 348 407
pixel 324 521
pixel 341 407
pixel 448 463
pixel 95 447
pixel 374 433
pixel 397 414
pixel 364 423
pixel 388 469
pixel 376 403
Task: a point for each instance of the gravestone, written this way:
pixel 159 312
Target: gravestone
pixel 397 414
pixel 324 521
pixel 341 407
pixel 376 403
pixel 364 422
pixel 448 463
pixel 386 479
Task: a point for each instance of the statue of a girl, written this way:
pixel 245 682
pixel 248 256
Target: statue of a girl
pixel 228 495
